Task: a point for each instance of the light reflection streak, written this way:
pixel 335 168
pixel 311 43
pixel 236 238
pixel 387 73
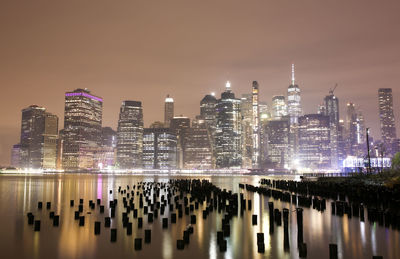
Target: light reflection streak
pixel 212 248
pixel 373 238
pixel 362 232
pixel 166 245
pixel 99 186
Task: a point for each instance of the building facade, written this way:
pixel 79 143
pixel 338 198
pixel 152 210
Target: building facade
pixel 332 111
pixel 180 126
pixel 168 110
pixel 159 148
pixel 198 146
pixel 256 156
pixel 293 100
pixel 314 142
pixel 228 134
pixel 279 107
pixel 82 129
pixel 38 142
pixel 276 139
pixel 387 120
pixel 130 135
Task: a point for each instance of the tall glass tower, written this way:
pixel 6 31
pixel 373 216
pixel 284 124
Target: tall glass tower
pixel 293 97
pixel 386 116
pixel 168 110
pixel 130 135
pixel 228 131
pixel 82 129
pixel 256 126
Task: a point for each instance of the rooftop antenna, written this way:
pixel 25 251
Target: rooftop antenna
pixel 292 74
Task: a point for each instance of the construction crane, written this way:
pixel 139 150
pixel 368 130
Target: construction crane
pixel 333 89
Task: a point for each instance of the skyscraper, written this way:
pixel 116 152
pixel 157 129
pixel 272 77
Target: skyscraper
pixel 256 126
pixel 82 129
pixel 208 112
pixel 279 108
pixel 198 148
pixel 105 156
pixel 16 156
pixel 168 110
pixel 39 134
pixel 355 131
pixel 293 97
pixel 332 111
pixel 386 116
pixel 180 126
pixel 130 135
pixel 314 141
pixel 159 148
pixel 246 110
pixel 31 136
pixel 276 139
pixel 50 140
pixel 228 130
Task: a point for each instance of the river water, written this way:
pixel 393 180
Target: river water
pixel 20 194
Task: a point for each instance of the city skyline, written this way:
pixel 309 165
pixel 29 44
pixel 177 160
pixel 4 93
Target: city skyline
pixel 43 70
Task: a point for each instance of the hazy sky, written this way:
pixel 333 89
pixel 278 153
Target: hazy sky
pixel 144 50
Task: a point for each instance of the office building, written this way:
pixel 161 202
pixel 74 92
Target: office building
pixel 387 120
pixel 293 100
pixel 279 108
pixel 168 110
pixel 82 129
pixel 228 135
pixel 198 146
pixel 130 135
pixel 159 148
pixel 314 142
pixel 276 139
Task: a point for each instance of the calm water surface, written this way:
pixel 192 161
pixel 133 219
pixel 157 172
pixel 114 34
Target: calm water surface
pixel 19 194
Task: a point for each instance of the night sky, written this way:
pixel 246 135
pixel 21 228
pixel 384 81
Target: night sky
pixel 140 50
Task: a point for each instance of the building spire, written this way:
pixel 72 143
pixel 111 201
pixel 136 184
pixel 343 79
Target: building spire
pixel 292 74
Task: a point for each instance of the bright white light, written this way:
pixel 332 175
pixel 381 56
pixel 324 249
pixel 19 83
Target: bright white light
pixel 228 84
pixel 213 93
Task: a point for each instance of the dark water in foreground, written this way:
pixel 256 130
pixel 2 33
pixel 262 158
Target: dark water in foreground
pixel 20 194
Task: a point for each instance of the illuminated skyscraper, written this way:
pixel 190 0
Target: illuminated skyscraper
pixel 228 131
pixel 208 112
pixel 180 126
pixel 276 139
pixel 168 110
pixel 356 131
pixel 130 135
pixel 293 97
pixel 39 134
pixel 279 108
pixel 50 139
pixel 198 148
pixel 386 116
pixel 16 156
pixel 246 110
pixel 82 129
pixel 105 156
pixel 256 126
pixel 159 148
pixel 332 111
pixel 314 142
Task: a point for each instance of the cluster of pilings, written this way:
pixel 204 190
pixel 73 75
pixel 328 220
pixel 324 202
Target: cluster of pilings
pixel 303 199
pixel 37 222
pixel 382 204
pixel 171 201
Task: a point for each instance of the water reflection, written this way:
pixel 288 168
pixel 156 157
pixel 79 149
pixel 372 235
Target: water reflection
pixel 20 194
